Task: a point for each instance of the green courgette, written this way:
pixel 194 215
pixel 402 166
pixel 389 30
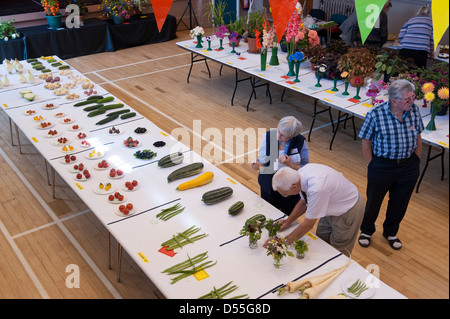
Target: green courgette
pixel 171 160
pixel 185 171
pixel 85 102
pixel 106 99
pixel 96 112
pixel 127 115
pixel 107 119
pixel 92 108
pixel 236 208
pixel 217 195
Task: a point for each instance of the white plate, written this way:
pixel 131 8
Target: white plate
pixel 101 168
pixel 51 136
pixel 83 179
pixel 69 122
pixel 365 295
pixel 116 201
pixel 38 120
pixel 56 143
pixel 26 114
pixel 76 171
pixel 50 108
pixel 134 189
pixel 63 161
pixel 84 145
pixel 132 147
pixel 75 130
pixel 59 115
pixel 95 156
pixel 443 55
pixel 68 150
pixel 99 191
pixel 118 212
pixel 39 127
pixel 117 176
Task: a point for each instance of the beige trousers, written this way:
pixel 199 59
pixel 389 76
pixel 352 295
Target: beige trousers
pixel 341 231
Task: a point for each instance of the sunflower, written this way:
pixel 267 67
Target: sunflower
pixel 429 96
pixel 443 93
pixel 427 87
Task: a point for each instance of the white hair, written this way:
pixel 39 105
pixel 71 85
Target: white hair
pixel 289 126
pixel 284 178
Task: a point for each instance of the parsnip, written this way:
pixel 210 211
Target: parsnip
pixel 314 291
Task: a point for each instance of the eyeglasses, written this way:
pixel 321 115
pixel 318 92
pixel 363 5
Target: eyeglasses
pixel 412 98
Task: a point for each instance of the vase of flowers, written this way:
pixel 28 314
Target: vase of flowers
pixel 296 58
pixel 434 80
pixel 8 30
pixel 278 249
pixel 374 88
pixel 320 73
pixel 220 34
pixel 359 63
pixel 344 76
pixel 234 39
pixel 301 247
pixel 52 14
pixel 197 32
pixel 437 104
pixel 255 22
pixel 264 41
pixel 253 231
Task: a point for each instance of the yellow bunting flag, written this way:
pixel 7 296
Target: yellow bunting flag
pixel 439 11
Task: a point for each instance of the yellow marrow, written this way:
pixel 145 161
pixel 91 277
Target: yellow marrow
pixel 203 179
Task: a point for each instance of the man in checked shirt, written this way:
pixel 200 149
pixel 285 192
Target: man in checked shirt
pixel 391 145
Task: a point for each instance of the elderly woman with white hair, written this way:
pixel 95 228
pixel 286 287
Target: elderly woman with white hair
pixel 283 147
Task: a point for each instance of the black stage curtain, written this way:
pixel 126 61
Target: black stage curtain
pixel 94 37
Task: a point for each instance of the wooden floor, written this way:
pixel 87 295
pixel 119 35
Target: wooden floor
pixel 41 237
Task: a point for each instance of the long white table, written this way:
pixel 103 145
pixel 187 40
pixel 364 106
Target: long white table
pixel 141 234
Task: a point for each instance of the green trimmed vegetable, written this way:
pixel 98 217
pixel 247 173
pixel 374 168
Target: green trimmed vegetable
pixel 171 160
pixel 220 293
pixel 236 208
pixel 56 64
pixel 118 112
pixel 112 106
pixel 62 67
pixel 95 97
pixel 127 115
pixel 168 213
pixel 107 119
pixel 46 70
pixel 181 239
pixel 93 107
pixel 96 112
pixel 185 171
pixel 184 268
pixel 217 195
pixel 85 103
pixel 106 99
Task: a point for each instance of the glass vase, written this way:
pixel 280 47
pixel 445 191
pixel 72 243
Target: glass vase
pixel 252 243
pixel 278 262
pixel 346 88
pixel 297 71
pixel 300 255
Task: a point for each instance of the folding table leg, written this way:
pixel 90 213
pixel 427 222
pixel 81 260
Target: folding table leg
pixel 345 121
pixel 430 158
pixel 237 80
pixel 119 260
pixel 198 60
pixel 18 138
pixel 108 242
pixel 46 172
pixel 314 118
pixel 53 183
pixel 11 132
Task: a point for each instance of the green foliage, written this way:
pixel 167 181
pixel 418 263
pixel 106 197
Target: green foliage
pixel 216 12
pixel 237 26
pixel 255 21
pixel 8 30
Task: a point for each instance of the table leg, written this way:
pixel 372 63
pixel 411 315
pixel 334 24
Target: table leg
pixel 430 158
pixel 108 242
pixel 18 138
pixel 237 80
pixel 314 118
pixel 46 172
pixel 53 182
pixel 119 260
pixel 193 60
pixel 11 132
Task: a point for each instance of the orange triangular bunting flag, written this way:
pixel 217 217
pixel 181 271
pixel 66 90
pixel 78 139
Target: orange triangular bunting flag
pixel 161 10
pixel 281 13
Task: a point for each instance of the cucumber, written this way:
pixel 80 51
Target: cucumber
pixel 38 67
pixel 217 195
pixel 92 108
pixel 118 112
pixel 32 60
pixel 62 67
pixel 85 102
pixel 107 119
pixel 127 115
pixel 171 160
pixel 111 106
pixel 56 64
pixel 258 217
pixel 95 97
pixel 46 70
pixel 236 208
pixel 52 61
pixel 96 112
pixel 106 99
pixel 185 171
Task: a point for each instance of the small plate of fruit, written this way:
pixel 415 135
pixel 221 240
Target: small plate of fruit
pixel 125 210
pixel 116 198
pixel 131 186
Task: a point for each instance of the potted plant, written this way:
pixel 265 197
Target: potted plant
pixel 301 247
pixel 81 6
pixel 139 5
pixel 118 10
pixel 52 14
pixel 216 12
pixel 359 63
pixel 8 30
pixel 254 23
pixel 314 53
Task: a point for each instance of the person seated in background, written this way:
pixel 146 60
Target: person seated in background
pixel 290 149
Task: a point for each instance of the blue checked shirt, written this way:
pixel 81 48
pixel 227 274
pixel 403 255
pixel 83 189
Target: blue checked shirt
pixel 391 138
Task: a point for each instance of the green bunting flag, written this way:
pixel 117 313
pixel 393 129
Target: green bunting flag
pixel 367 13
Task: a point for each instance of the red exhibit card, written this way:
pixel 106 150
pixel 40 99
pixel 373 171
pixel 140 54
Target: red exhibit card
pixel 169 253
pixel 354 100
pixel 285 77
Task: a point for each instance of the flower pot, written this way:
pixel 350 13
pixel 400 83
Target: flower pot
pixel 443 110
pixel 354 81
pixel 236 42
pixel 54 21
pixel 252 45
pixel 278 263
pixel 118 19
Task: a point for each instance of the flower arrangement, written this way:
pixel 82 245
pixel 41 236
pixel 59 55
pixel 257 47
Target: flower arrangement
pixel 197 31
pixel 234 37
pixel 321 71
pixel 216 12
pixel 220 33
pixel 273 227
pixel 237 26
pixel 119 8
pixel 254 23
pixel 373 88
pixel 301 247
pixel 265 39
pixel 253 231
pixel 438 75
pixel 8 30
pixel 442 94
pixel 81 5
pixel 51 7
pixel 278 249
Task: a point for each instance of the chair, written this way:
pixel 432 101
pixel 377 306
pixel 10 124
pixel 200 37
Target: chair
pixel 339 19
pixel 317 13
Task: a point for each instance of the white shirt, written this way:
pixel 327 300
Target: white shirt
pixel 328 192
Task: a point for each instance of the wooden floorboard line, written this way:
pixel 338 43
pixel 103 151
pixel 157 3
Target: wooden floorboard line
pixel 63 228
